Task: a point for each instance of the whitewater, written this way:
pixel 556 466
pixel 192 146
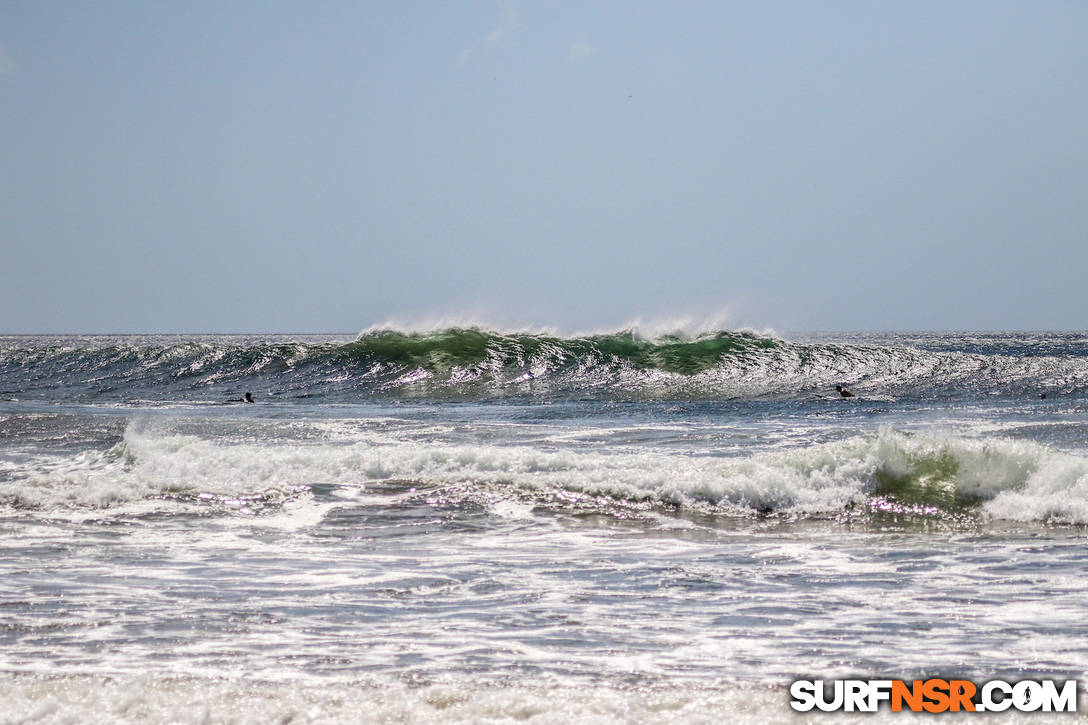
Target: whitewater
pixel 476 525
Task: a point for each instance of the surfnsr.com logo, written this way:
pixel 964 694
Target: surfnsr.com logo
pixel 934 695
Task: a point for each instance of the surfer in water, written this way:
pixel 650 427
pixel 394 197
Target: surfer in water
pixel 844 392
pixel 247 399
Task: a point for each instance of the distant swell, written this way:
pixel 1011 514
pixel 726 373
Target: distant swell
pixel 460 363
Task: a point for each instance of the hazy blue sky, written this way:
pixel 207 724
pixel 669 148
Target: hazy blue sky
pixel 301 166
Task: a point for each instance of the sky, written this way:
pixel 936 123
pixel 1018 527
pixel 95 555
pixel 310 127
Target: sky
pixel 266 166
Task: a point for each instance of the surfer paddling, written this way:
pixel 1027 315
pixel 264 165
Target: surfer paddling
pixel 844 392
pixel 247 399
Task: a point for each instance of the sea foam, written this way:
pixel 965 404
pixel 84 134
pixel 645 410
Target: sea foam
pixel 920 473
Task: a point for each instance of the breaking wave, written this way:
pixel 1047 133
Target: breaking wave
pixel 473 363
pixel 884 472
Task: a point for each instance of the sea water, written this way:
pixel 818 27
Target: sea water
pixel 471 525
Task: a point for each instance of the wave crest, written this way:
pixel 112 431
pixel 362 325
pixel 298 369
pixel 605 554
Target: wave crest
pixel 475 363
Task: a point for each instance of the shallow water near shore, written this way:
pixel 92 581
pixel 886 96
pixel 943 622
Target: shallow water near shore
pixel 590 528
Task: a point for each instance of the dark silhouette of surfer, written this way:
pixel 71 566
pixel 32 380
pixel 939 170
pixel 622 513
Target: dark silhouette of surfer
pixel 844 392
pixel 247 399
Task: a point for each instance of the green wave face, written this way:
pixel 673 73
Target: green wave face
pixel 468 348
pixel 929 481
pixel 950 475
pixel 436 352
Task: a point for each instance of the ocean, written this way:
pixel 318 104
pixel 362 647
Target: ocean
pixel 469 525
